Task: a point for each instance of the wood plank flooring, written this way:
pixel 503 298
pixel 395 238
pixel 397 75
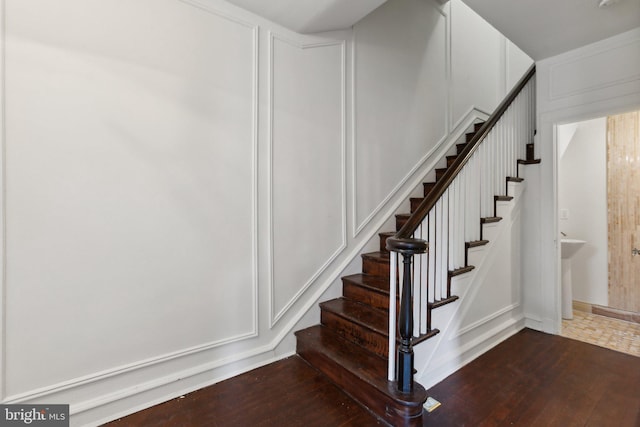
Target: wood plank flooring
pixel 531 379
pixel 285 393
pixel 536 379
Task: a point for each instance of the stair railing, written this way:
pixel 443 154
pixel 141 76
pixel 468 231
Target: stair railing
pixel 433 240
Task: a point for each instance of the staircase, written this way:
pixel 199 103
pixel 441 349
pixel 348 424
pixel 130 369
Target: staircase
pixel 351 345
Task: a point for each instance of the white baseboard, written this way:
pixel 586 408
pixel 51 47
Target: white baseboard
pixel 532 322
pixel 117 404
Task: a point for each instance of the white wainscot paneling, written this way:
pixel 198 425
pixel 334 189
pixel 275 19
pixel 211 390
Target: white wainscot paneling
pixel 130 196
pixel 586 73
pixel 499 290
pixel 489 309
pixel 400 98
pixel 476 49
pixel 307 106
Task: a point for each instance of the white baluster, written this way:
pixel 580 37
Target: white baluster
pixel 462 203
pixel 493 161
pixel 432 255
pixel 439 249
pixel 452 239
pixel 484 167
pixel 417 290
pixel 424 262
pixel 472 193
pixel 445 245
pixel 393 268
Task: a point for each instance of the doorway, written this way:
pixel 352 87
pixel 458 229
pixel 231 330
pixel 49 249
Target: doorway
pixel 598 184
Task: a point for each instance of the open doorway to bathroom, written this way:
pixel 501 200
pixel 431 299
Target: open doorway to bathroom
pixel 599 218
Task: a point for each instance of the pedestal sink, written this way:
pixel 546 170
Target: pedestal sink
pixel 568 248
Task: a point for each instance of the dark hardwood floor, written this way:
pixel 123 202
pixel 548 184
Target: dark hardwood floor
pixel 536 379
pixel 285 393
pixel 531 379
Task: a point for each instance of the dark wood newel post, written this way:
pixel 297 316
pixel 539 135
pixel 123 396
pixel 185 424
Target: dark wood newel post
pixel 408 248
pixel 405 327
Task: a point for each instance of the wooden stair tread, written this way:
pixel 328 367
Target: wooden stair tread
pixel 424 337
pixel 383 239
pixel 514 179
pixel 502 198
pixel 415 202
pixel 377 256
pixel 427 187
pixel 490 219
pixel 443 301
pixel 360 314
pixel 529 162
pixel 373 283
pixel 401 220
pixel 360 361
pixel 368 289
pixel 476 243
pixel 361 374
pixel 461 270
pixel 440 172
pixel 376 264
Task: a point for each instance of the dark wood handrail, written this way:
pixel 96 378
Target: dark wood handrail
pixel 443 183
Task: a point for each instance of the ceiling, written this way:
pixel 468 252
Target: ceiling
pixel 542 28
pixel 311 16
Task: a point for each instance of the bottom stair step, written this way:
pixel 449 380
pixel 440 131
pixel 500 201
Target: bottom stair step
pixel 362 375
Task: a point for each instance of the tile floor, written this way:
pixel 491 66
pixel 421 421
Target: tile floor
pixel 603 331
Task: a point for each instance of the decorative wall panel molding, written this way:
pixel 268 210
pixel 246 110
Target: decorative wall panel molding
pixel 438 49
pixel 593 71
pixel 307 126
pixel 249 327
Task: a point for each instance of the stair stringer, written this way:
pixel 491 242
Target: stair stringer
pixel 423 171
pixel 468 327
pixel 328 283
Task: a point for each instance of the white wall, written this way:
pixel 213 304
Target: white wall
pixel 400 66
pixel 183 180
pixel 415 85
pixel 582 194
pixel 594 81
